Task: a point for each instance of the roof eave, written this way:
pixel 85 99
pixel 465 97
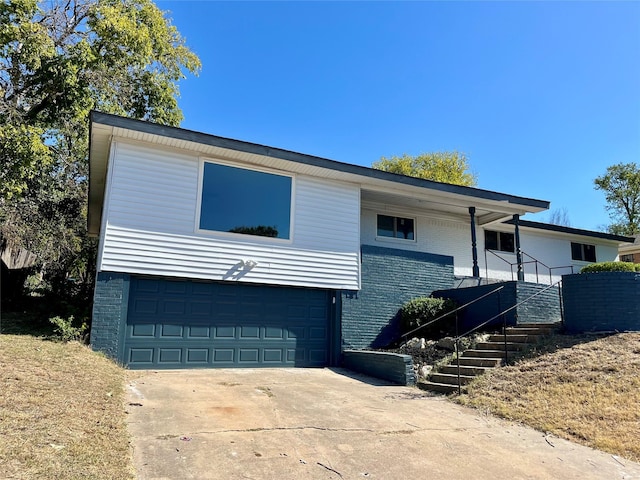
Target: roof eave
pixel 572 231
pixel 102 126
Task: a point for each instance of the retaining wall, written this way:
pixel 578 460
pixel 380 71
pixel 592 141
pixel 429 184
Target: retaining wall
pixel 604 301
pixel 544 308
pixel 394 367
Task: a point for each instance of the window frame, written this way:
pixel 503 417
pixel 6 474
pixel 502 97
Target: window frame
pixel 583 252
pixel 243 236
pixel 394 238
pixel 499 242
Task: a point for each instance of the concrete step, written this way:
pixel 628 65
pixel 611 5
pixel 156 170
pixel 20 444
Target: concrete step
pixel 511 346
pixel 534 328
pixel 496 354
pixel 511 337
pixel 439 387
pixel 450 378
pixel 471 370
pixel 525 331
pixel 538 325
pixel 481 362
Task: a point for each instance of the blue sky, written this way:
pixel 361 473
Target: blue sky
pixel 541 96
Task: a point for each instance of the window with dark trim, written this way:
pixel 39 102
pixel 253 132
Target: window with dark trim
pixel 500 241
pixel 396 227
pixel 627 258
pixel 583 252
pixel 251 202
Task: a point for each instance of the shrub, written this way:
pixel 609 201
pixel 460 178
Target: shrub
pixel 66 331
pixel 421 310
pixel 611 267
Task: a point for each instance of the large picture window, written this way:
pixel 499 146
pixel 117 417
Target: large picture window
pixel 583 252
pixel 500 241
pixel 250 202
pixel 396 227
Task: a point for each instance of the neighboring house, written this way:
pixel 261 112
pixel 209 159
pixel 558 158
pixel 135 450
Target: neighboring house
pixel 218 252
pixel 630 252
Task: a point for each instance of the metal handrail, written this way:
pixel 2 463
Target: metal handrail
pixel 504 326
pixel 546 266
pixel 455 311
pixel 533 260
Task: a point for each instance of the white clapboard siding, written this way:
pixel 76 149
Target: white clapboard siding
pixel 153 190
pixel 326 214
pixel 150 228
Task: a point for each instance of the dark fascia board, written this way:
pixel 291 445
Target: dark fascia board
pixel 253 148
pixel 573 231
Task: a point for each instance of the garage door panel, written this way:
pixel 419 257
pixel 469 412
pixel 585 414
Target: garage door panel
pixel 197 356
pixel 148 285
pixel 224 333
pixel 174 307
pixel 140 356
pixel 142 330
pixel 295 333
pixel 145 307
pixel 197 332
pixel 171 331
pixel 176 287
pixel 275 333
pixel 169 355
pixel 249 332
pixel 223 356
pixel 248 355
pixel 318 356
pixel 272 355
pixel 318 333
pixel 201 308
pixel 176 324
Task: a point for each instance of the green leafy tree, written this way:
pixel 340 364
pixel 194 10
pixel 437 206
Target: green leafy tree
pixel 445 167
pixel 59 60
pixel 621 186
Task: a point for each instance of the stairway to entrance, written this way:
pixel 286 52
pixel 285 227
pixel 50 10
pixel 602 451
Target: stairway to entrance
pixel 487 355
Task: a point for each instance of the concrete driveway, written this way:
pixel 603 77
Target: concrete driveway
pixel 333 424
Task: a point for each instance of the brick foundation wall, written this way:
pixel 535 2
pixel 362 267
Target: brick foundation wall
pixel 604 301
pixel 390 277
pixel 110 302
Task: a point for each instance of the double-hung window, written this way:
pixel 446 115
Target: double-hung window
pixel 250 202
pixel 500 241
pixel 583 252
pixel 396 227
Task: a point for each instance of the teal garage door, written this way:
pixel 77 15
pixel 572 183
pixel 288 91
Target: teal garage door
pixel 183 324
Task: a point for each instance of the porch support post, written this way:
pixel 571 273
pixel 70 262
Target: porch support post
pixel 474 242
pixel 516 222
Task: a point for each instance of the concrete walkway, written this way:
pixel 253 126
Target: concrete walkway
pixel 332 424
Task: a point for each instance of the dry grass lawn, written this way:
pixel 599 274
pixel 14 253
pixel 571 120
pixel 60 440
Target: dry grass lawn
pixel 61 412
pixel 585 389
